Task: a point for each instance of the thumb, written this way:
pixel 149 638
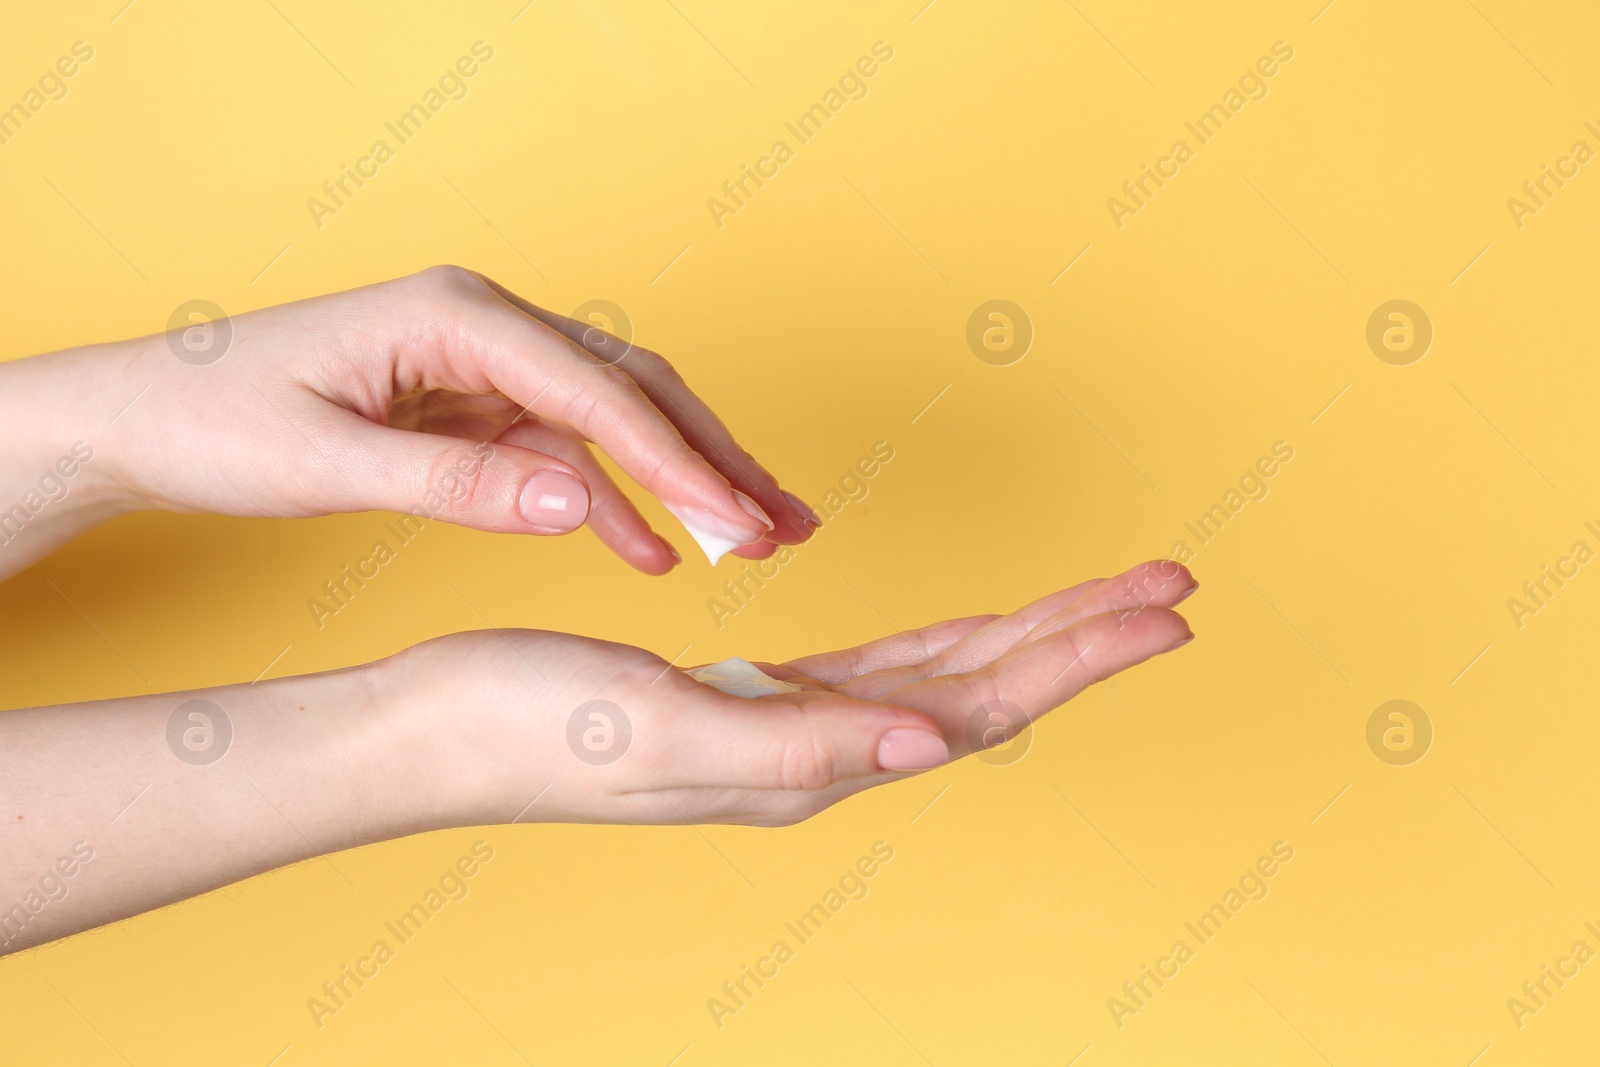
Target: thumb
pixel 808 741
pixel 480 484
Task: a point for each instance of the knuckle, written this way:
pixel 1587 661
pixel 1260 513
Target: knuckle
pixel 653 467
pixel 988 691
pixel 613 380
pixel 807 764
pixel 1084 662
pixel 452 281
pixel 653 364
pixel 459 478
pixel 603 397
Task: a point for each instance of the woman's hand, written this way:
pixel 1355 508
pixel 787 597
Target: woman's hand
pixel 507 726
pixel 600 732
pixel 441 394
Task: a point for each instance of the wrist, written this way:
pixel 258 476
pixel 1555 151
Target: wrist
pixel 440 766
pixel 57 478
pixel 350 760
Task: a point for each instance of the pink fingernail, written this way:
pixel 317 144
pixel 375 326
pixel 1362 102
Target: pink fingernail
pixel 668 546
pixel 753 509
pixel 555 500
pixel 909 749
pixel 803 508
pixel 1186 594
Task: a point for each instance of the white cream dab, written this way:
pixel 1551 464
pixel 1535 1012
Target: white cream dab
pixel 740 678
pixel 714 542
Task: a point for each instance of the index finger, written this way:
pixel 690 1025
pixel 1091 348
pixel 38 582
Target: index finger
pixel 691 416
pixel 488 344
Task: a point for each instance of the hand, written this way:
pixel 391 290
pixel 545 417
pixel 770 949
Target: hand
pixel 441 393
pixel 662 748
pixel 495 727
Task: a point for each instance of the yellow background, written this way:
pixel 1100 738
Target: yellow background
pixel 823 317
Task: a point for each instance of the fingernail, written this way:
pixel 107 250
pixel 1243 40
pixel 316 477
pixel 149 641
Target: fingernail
pixel 1180 644
pixel 1186 594
pixel 909 749
pixel 555 500
pixel 803 508
pixel 753 509
pixel 668 546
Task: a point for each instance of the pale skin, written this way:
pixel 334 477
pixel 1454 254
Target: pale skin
pixel 363 401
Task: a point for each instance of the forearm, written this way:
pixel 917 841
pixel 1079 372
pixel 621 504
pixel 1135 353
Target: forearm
pixel 56 415
pixel 113 808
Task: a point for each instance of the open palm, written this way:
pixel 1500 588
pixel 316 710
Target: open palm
pixel 603 732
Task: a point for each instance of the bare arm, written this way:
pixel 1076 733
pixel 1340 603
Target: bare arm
pixel 113 808
pixel 439 394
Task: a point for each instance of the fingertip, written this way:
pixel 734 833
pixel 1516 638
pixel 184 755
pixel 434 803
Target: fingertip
pixel 1169 570
pixel 1165 629
pixel 555 501
pixel 793 520
pixel 802 512
pixel 655 568
pixel 651 555
pixel 1158 581
pixel 758 550
pixel 908 748
pixel 715 536
pixel 751 508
